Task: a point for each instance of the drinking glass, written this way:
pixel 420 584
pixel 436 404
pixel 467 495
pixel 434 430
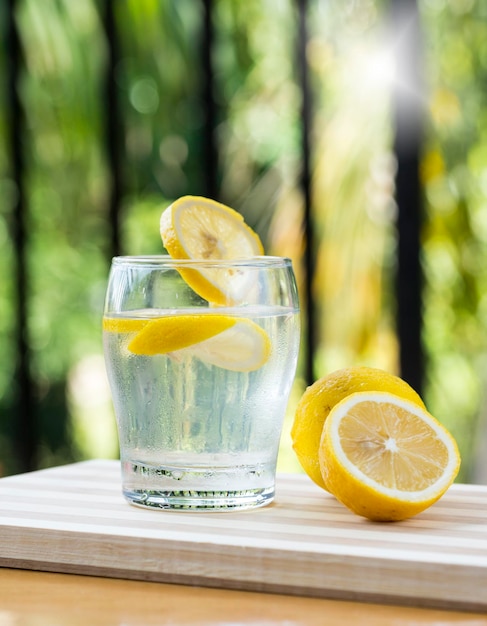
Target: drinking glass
pixel 199 419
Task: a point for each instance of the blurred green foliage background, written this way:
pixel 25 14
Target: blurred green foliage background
pixel 258 133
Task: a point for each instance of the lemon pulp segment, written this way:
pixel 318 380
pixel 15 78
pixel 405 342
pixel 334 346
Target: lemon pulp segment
pixel 392 446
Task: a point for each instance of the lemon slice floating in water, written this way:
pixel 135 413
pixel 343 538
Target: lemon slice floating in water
pixel 198 228
pixel 386 458
pixel 233 343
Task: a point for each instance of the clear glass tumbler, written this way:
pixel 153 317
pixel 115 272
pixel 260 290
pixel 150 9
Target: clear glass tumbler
pixel 200 389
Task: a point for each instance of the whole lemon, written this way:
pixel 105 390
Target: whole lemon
pixel 320 397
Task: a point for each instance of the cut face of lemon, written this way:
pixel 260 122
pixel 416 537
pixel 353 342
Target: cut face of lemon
pixel 201 229
pixel 386 458
pixel 233 343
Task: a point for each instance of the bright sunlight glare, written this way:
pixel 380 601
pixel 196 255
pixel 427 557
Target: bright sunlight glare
pixel 379 68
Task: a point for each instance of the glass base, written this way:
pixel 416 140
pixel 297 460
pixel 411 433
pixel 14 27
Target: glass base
pixel 200 500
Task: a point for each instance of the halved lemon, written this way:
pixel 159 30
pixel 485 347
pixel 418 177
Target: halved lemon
pixel 386 458
pixel 233 343
pixel 319 398
pixel 198 228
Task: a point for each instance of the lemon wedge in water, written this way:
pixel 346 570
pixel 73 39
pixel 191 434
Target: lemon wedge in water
pixel 233 343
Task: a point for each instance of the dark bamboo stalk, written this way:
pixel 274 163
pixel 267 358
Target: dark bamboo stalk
pixel 113 129
pixel 408 114
pixel 305 182
pixel 210 152
pixel 25 426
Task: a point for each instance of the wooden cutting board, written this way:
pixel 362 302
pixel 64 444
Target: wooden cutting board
pixel 73 519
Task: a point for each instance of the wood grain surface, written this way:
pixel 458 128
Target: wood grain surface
pixel 30 598
pixel 73 519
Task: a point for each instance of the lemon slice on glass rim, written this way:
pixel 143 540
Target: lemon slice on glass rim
pixel 386 458
pixel 232 343
pixel 197 228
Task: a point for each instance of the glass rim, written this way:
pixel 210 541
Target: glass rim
pixel 165 260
